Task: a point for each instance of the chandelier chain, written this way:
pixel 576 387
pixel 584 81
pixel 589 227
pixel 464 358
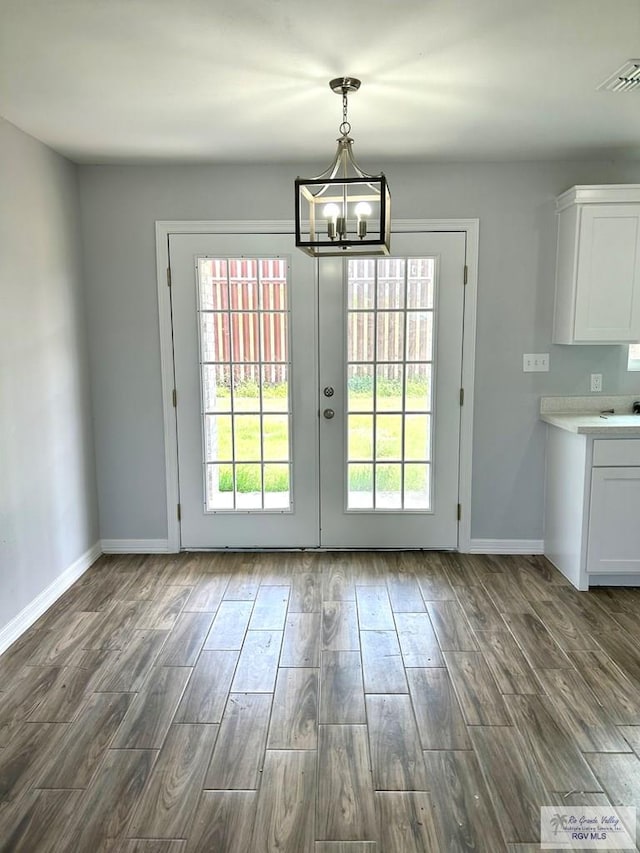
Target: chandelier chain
pixel 345 127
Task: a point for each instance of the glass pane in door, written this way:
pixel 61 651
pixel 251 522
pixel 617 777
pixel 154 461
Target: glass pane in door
pixel 390 308
pixel 243 319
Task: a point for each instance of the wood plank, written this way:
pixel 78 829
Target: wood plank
pixel 270 609
pixel 568 630
pixel 37 821
pixel 23 760
pixel 294 717
pixel 345 804
pixel 624 651
pixel 337 583
pixel 433 579
pixel 341 688
pixel 340 626
pixel 146 845
pixel 301 644
pixel 477 692
pixel 171 796
pixel 346 847
pixel 185 640
pixel 116 627
pixel 418 643
pixel 130 669
pixel 451 627
pixel 505 594
pixel 508 665
pixel 580 713
pixel 632 736
pixel 617 599
pixel 479 609
pixel 374 609
pixel 369 568
pixel 149 717
pixel 629 623
pixel 208 688
pixel 237 758
pixel 537 644
pixel 85 742
pixel 619 775
pixel 306 593
pixel 70 690
pixel 223 822
pixel 611 687
pixel 382 665
pixel 585 606
pixel 406 823
pixel 56 646
pixel 29 689
pixel 438 715
pixel 463 811
pixel 285 813
pixel 244 583
pixel 404 593
pixel 396 753
pixel 162 611
pixel 513 782
pixel 106 807
pixel 549 747
pixel 207 593
pixel 258 663
pixel 229 626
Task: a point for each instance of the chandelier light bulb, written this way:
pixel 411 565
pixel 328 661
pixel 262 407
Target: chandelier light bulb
pixel 363 209
pixel 331 211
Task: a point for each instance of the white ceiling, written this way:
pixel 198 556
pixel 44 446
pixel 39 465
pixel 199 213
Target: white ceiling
pixel 206 80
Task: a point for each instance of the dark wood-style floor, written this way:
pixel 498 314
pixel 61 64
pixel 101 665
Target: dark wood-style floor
pixel 316 703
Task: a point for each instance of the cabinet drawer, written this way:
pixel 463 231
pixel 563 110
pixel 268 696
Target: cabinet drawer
pixel 616 451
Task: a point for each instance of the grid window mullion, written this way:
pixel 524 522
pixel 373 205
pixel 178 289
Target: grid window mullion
pixel 260 391
pixel 375 386
pixel 404 389
pixel 232 382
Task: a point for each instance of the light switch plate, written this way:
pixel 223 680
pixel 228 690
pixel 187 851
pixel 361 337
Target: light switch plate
pixel 535 362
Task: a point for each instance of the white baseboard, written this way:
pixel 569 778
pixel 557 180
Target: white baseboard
pixel 34 610
pixel 135 546
pixel 506 546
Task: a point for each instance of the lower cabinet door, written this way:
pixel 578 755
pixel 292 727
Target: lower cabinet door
pixel 614 521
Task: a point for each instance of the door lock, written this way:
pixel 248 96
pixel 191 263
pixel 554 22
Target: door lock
pixel 328 391
pixel 329 413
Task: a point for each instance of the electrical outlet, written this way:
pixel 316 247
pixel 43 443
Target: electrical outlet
pixel 596 382
pixel 535 362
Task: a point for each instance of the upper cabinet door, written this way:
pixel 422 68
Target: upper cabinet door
pixel 608 286
pixel 598 274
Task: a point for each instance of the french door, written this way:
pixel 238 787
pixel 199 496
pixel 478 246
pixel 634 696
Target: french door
pixel 317 402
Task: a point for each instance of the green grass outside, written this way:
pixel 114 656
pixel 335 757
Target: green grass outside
pixel 360 436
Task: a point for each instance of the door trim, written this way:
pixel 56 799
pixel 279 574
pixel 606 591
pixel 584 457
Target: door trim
pixel 164 228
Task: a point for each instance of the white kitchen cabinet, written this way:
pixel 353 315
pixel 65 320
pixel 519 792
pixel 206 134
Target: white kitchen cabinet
pixel 598 265
pixel 614 521
pixel 592 505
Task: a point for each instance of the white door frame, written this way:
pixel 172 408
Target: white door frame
pixel 471 228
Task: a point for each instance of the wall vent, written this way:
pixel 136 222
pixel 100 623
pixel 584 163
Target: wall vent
pixel 625 79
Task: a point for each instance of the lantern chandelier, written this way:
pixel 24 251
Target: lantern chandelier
pixel 343 211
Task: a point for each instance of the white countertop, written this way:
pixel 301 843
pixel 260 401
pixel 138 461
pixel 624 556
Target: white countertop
pixel 582 415
pixel 613 426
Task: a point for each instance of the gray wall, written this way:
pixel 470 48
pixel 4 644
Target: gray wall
pixel 515 205
pixel 48 506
